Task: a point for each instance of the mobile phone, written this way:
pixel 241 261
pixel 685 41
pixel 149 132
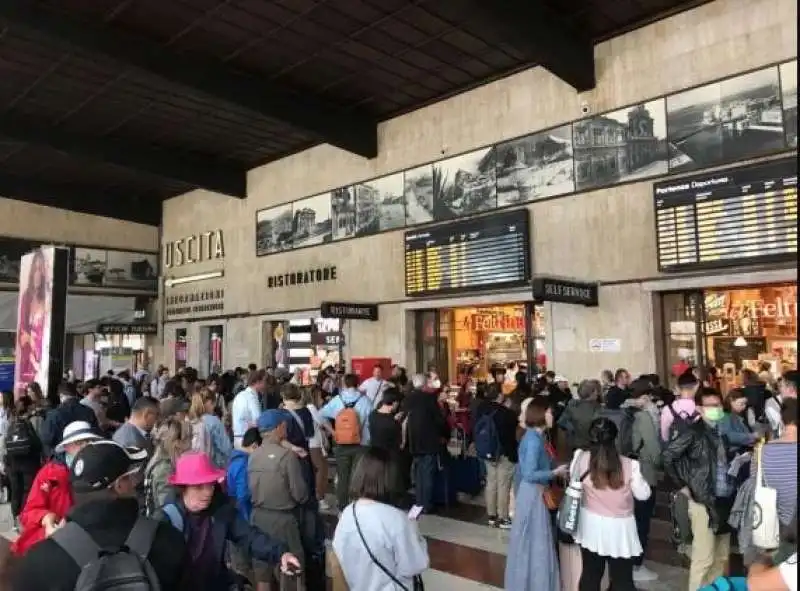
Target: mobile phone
pixel 415 512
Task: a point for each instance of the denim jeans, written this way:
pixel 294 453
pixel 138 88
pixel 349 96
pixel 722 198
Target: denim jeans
pixel 425 468
pixel 643 511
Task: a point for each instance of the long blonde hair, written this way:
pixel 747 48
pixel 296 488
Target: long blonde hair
pixel 172 438
pixel 197 408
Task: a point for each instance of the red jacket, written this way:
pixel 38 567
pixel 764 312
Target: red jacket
pixel 50 493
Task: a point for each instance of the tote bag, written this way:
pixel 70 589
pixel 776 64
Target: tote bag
pixel 766 526
pixel 570 509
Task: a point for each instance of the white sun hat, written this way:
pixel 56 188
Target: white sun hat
pixel 77 431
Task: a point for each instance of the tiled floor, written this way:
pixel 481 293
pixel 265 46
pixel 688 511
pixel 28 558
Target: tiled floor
pixel 466 555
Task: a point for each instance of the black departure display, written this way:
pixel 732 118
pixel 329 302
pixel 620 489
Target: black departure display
pixel 488 252
pixel 728 217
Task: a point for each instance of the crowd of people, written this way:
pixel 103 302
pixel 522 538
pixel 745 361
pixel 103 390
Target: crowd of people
pixel 221 483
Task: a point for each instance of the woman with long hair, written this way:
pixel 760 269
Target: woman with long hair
pixel 208 432
pixel 171 439
pixel 32 320
pixel 607 525
pixel 532 562
pixel 23 456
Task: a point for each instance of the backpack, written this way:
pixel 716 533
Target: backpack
pixel 21 439
pixel 487 440
pixel 122 569
pixel 347 426
pixel 201 438
pixel 625 435
pixel 680 423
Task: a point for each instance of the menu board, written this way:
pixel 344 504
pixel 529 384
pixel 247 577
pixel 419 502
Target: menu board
pixel 727 217
pixel 487 252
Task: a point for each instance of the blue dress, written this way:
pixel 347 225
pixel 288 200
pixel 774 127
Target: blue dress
pixel 532 564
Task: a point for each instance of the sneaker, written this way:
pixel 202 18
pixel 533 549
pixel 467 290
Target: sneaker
pixel 642 574
pixel 504 524
pixel 492 521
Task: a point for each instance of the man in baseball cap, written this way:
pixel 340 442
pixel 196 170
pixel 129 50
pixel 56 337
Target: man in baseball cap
pixel 104 476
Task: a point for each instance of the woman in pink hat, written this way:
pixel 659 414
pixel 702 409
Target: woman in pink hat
pixel 201 510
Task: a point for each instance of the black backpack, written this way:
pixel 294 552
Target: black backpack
pixel 680 423
pixel 625 435
pixel 112 569
pixel 21 439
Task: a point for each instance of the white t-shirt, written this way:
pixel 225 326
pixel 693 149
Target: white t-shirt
pixel 788 570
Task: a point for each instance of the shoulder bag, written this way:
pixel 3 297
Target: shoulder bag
pixel 766 526
pixel 418 584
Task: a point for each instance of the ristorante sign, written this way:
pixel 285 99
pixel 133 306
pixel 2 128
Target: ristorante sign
pixel 196 248
pixel 303 277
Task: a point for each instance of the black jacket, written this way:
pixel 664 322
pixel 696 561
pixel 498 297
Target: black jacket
pixel 576 420
pixel 46 567
pixel 65 413
pixel 426 425
pixel 690 459
pixel 506 422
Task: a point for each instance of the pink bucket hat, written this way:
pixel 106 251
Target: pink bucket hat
pixel 193 469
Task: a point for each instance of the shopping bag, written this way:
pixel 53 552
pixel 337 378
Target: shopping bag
pixel 766 526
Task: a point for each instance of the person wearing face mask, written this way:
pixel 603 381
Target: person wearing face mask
pixel 696 460
pixel 68 411
pixel 208 520
pixel 50 497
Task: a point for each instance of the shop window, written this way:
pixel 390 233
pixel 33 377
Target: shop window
pixel 732 329
pixel 473 342
pixel 211 349
pixel 180 348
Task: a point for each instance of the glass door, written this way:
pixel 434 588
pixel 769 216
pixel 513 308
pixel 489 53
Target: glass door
pixel 684 331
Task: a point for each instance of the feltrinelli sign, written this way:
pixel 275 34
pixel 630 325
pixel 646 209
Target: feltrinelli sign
pixel 197 248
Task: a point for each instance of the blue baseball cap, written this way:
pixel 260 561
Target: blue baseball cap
pixel 271 419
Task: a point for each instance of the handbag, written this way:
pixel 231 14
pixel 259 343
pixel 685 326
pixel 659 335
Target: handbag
pixel 417 581
pixel 766 526
pixel 570 509
pixel 553 493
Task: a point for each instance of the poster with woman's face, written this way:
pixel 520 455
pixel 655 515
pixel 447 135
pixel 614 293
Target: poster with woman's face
pixel 33 319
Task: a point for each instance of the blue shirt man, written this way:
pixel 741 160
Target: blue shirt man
pixel 348 455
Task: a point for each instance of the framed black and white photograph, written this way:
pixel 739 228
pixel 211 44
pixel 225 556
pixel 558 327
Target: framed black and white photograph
pixel 311 221
pixel 380 204
pixel 464 185
pixel 274 229
pixel 138 270
pixel 620 146
pixel 734 119
pixel 788 72
pixel 343 213
pixel 418 188
pixel 89 266
pixel 11 251
pixel 535 166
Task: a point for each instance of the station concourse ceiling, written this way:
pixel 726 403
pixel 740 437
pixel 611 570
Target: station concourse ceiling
pixel 111 107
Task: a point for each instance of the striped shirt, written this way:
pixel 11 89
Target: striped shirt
pixel 780 473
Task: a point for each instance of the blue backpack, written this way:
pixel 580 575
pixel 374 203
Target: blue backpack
pixel 727 584
pixel 487 440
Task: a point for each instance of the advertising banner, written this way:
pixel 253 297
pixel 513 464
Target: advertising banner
pixel 41 316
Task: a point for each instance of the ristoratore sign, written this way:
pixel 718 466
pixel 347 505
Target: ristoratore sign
pixel 302 277
pixel 349 311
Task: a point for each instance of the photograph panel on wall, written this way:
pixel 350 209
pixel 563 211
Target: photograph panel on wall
pixel 788 73
pixel 418 188
pixel 311 221
pixel 11 251
pixel 343 213
pixel 620 146
pixel 734 119
pixel 138 270
pixel 535 166
pixel 274 229
pixel 380 204
pixel 465 184
pixel 89 266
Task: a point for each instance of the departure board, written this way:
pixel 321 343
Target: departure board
pixel 488 252
pixel 728 217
